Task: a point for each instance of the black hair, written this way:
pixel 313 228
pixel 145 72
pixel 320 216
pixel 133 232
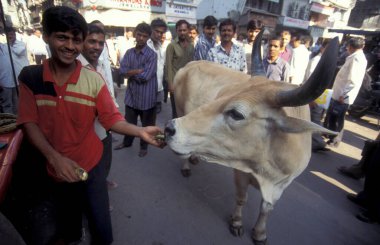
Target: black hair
pixel 143 28
pixel 254 24
pixel 181 22
pixel 356 42
pixel 275 38
pixel 210 21
pixel 227 22
pixel 158 22
pixel 93 28
pixel 63 19
pixel 193 27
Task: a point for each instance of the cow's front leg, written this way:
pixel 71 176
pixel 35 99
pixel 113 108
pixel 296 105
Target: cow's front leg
pixel 185 170
pixel 241 186
pixel 259 234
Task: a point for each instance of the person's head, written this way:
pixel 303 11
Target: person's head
pixel 324 44
pixel 182 28
pixel 142 34
pixel 11 33
pixel 253 29
pixel 285 38
pixel 227 29
pixel 274 47
pixel 209 26
pixel 296 40
pixel 37 33
pixel 159 28
pixel 64 30
pixel 193 32
pixel 98 23
pixel 241 37
pixel 354 44
pixel 93 44
pixel 307 40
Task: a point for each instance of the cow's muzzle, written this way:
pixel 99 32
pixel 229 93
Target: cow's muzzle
pixel 170 129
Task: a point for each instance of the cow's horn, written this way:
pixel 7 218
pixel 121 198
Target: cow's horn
pixel 257 67
pixel 317 82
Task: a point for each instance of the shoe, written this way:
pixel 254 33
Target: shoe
pixel 345 171
pixel 366 217
pixel 357 200
pixel 158 107
pixel 121 146
pixel 143 152
pixel 111 184
pixel 321 149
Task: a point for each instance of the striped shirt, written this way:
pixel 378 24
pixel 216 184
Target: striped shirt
pixel 202 47
pixel 141 92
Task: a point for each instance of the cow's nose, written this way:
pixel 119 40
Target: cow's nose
pixel 169 128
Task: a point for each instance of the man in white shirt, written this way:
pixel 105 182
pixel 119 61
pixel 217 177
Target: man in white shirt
pixel 18 49
pixel 299 60
pixel 227 53
pixel 37 47
pixel 346 85
pixel 159 28
pixel 92 49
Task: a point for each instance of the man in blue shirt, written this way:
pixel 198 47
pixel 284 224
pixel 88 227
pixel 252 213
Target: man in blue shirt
pixel 206 40
pixel 8 94
pixel 139 65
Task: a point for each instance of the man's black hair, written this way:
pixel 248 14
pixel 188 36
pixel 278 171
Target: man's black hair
pixel 254 25
pixel 356 42
pixel 227 22
pixel 275 37
pixel 158 22
pixel 193 27
pixel 93 28
pixel 63 19
pixel 143 28
pixel 210 21
pixel 181 22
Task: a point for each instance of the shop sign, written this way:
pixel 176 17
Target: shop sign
pixel 144 5
pixel 319 8
pixel 297 23
pixel 182 11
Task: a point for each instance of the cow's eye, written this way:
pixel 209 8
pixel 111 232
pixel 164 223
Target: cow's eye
pixel 236 115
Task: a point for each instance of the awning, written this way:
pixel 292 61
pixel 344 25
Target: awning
pixel 116 17
pixel 356 32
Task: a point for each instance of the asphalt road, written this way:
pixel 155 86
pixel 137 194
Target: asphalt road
pixel 155 205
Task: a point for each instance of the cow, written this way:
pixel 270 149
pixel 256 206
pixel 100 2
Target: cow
pixel 258 127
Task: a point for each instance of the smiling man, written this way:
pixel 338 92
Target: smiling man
pixel 228 53
pixel 59 101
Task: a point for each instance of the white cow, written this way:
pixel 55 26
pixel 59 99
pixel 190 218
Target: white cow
pixel 260 128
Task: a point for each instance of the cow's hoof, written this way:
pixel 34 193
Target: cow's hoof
pixel 186 173
pixel 236 228
pixel 194 160
pixel 256 241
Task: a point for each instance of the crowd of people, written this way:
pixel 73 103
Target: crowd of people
pixel 66 109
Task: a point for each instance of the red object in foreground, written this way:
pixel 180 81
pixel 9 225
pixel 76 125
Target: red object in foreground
pixel 7 157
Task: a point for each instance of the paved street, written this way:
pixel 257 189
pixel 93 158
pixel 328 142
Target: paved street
pixel 155 205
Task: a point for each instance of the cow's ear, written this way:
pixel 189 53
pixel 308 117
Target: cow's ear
pixel 295 125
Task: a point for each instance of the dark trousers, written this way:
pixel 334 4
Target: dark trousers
pixel 316 113
pixel 91 198
pixel 335 116
pixel 172 101
pixel 147 117
pixel 107 152
pixel 372 183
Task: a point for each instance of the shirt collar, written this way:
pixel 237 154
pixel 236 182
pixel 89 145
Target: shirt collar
pixel 48 76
